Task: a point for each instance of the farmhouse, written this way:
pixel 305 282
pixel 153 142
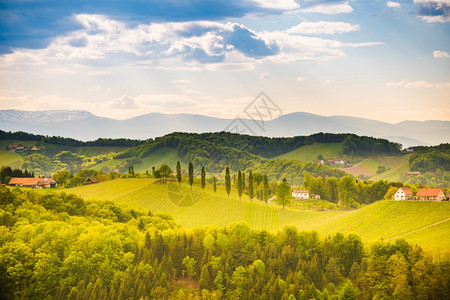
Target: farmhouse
pixel 337 161
pixel 403 193
pixel 430 194
pixel 39 183
pixel 91 180
pixel 300 194
pixel 413 173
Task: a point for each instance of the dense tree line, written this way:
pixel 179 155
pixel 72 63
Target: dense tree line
pixel 293 171
pixel 430 159
pixel 60 246
pixel 364 145
pixel 6 173
pixel 58 140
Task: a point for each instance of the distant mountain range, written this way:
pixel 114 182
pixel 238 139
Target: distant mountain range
pixel 83 125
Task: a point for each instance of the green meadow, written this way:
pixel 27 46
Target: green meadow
pixel 417 222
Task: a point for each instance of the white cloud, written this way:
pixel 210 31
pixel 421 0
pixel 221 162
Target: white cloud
pixel 322 28
pixel 301 78
pixel 393 4
pixel 124 102
pixel 440 54
pixel 182 81
pixel 433 10
pixel 330 8
pixel 278 4
pixel 104 44
pixel 265 76
pixel 405 83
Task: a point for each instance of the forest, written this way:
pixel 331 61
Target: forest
pixel 63 247
pixel 63 141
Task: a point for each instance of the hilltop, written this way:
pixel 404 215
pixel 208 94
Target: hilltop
pixel 214 151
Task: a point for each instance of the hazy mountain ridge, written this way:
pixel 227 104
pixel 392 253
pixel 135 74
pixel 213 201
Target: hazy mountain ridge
pixel 84 125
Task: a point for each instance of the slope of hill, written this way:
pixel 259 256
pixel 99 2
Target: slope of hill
pixel 309 153
pixel 411 220
pixel 396 167
pixel 86 126
pixel 160 156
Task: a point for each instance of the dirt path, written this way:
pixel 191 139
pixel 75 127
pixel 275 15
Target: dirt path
pixel 418 229
pixel 268 202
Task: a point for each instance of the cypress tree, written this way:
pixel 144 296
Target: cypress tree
pixel 250 186
pixel 178 172
pixel 214 184
pixel 228 181
pixel 191 174
pixel 203 178
pixel 239 184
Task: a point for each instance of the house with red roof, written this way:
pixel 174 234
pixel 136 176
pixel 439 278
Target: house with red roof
pixel 403 193
pixel 39 183
pixel 430 194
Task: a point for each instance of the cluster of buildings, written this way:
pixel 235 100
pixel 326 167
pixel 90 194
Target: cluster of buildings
pixel 39 183
pixel 20 148
pixel 404 193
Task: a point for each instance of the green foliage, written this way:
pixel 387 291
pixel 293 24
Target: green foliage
pixel 294 170
pixel 430 159
pixel 165 171
pixel 191 174
pixel 178 172
pixel 251 193
pixel 60 246
pixel 6 173
pixel 283 194
pixel 363 145
pixel 38 163
pixel 348 192
pixel 227 181
pixel 203 178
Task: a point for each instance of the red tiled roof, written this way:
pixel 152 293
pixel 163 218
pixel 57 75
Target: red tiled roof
pixel 406 190
pixel 30 181
pixel 428 192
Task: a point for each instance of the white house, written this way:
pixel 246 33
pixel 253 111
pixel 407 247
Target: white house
pixel 300 194
pixel 403 193
pixel 337 161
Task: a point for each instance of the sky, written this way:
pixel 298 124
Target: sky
pixel 382 60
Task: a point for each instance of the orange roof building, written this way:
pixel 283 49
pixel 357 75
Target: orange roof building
pixel 33 182
pixel 430 194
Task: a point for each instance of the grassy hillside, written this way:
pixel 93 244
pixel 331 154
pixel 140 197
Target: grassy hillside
pixel 396 166
pixel 191 208
pixel 161 156
pixel 309 153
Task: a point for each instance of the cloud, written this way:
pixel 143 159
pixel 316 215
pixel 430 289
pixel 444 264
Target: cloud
pixel 326 7
pixel 265 76
pixel 433 10
pixel 393 4
pixel 125 102
pixel 440 54
pixel 33 24
pixel 300 78
pixel 322 28
pixel 179 46
pixel 405 83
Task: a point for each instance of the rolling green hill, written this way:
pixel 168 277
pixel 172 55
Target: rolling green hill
pixel 417 222
pixel 309 153
pixel 396 166
pixel 161 156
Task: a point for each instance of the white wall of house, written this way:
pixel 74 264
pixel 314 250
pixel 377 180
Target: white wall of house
pixel 400 195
